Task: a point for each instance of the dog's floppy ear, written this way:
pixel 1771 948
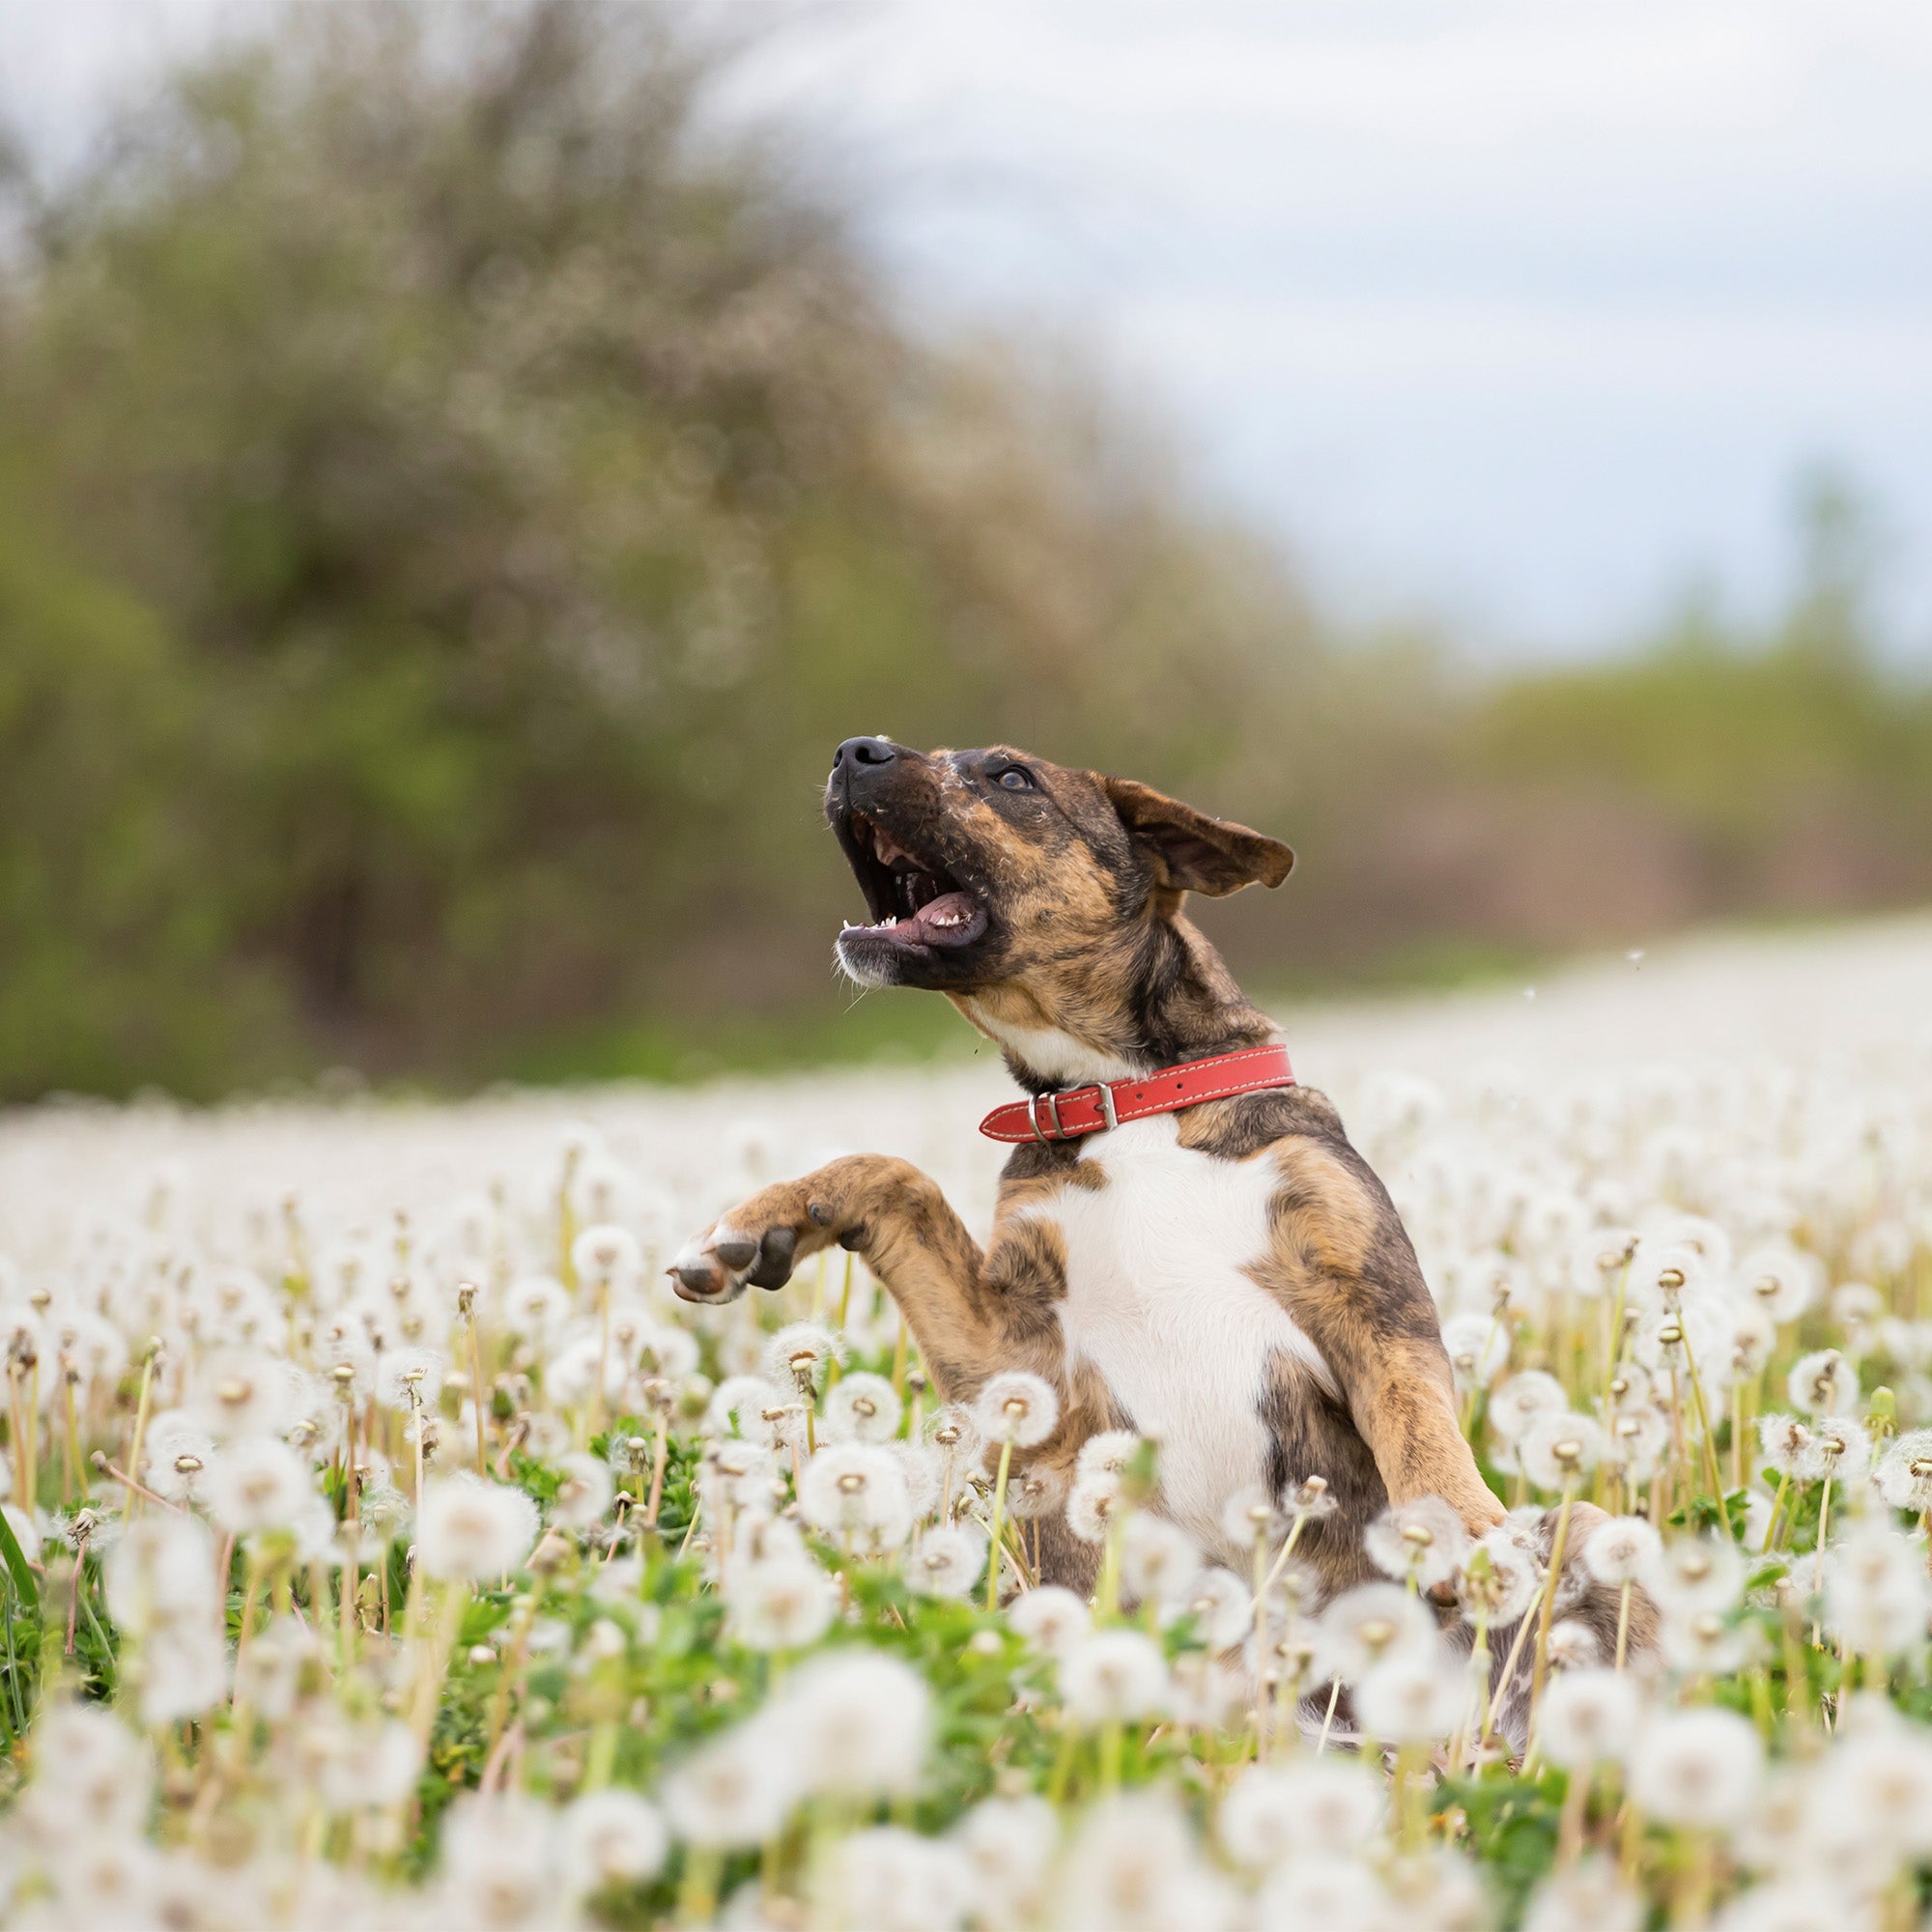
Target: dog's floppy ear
pixel 1189 851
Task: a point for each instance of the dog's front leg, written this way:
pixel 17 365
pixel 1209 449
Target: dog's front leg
pixel 894 1215
pixel 973 1315
pixel 1341 1265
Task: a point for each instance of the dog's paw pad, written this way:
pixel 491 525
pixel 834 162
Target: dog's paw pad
pixel 777 1248
pixel 721 1265
pixel 711 1268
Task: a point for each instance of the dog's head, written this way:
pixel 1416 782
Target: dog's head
pixel 1029 893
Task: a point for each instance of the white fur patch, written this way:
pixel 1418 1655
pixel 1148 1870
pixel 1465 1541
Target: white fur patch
pixel 1157 1302
pixel 863 974
pixel 1052 1054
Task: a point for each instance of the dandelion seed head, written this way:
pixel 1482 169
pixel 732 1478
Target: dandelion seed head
pixel 1822 1383
pixel 1697 1768
pixel 1422 1539
pixel 1159 1560
pixel 257 1484
pixel 1018 1407
pixel 800 1356
pixel 1107 1453
pixel 1620 1549
pixel 860 1720
pixel 610 1837
pixel 1369 1625
pixel 862 1408
pixel 1113 1676
pixel 857 1490
pixel 1589 1897
pixel 1516 1403
pixel 1050 1618
pixel 1094 1503
pixel 472 1530
pixel 1274 1812
pixel 948 1562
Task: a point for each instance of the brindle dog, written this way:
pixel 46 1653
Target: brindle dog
pixel 1231 1280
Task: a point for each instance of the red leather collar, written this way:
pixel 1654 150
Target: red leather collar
pixel 1092 1110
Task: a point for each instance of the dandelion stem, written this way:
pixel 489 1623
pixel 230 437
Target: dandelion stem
pixel 660 1451
pixel 1824 1529
pixel 22 1465
pixel 1328 1716
pixel 1286 1550
pixel 1063 1761
pixel 1774 1530
pixel 1113 1738
pixel 1704 1429
pixel 127 1482
pixel 698 1894
pixel 999 1523
pixel 1522 1630
pixel 1569 1823
pixel 479 1394
pixel 75 1488
pixel 1556 1548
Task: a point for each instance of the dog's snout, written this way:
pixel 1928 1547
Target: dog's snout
pixel 858 755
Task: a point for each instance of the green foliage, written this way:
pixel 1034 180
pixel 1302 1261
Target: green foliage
pixel 1510 1824
pixel 482 497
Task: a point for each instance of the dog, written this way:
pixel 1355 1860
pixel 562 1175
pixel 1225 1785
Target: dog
pixel 1229 1279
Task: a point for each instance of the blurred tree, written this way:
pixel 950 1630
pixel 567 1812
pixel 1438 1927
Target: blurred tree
pixel 526 488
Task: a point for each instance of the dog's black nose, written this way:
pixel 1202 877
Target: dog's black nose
pixel 855 754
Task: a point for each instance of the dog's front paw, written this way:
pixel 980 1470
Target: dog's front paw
pixel 719 1266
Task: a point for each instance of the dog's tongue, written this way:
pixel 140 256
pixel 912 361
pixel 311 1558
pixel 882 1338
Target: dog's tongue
pixel 943 921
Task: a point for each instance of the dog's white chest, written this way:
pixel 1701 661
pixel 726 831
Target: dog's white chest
pixel 1158 1302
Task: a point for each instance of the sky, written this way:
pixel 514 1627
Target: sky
pixel 1526 315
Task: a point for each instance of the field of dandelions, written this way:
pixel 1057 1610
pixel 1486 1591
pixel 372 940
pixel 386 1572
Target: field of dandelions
pixel 385 1546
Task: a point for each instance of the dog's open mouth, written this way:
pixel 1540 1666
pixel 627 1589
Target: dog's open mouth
pixel 914 901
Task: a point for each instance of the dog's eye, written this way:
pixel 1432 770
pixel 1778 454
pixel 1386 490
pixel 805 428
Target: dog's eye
pixel 1015 779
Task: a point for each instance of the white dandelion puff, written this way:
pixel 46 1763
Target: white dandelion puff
pixel 948 1562
pixel 1588 1717
pixel 1620 1549
pixel 1904 1472
pixel 1159 1560
pixel 862 1408
pixel 1516 1403
pixel 257 1484
pixel 1698 1767
pixel 1323 1805
pixel 1409 1699
pixel 470 1531
pixel 857 1490
pixel 1422 1538
pixel 1050 1618
pixel 1695 1574
pixel 1018 1407
pixel 859 1721
pixel 782 1603
pixel 1113 1676
pixel 1822 1383
pixel 611 1837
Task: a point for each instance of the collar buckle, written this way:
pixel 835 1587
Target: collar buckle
pixel 1059 1131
